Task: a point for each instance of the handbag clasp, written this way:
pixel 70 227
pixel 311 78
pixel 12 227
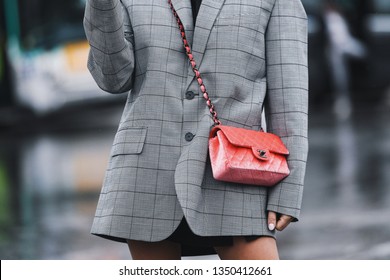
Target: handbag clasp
pixel 262 153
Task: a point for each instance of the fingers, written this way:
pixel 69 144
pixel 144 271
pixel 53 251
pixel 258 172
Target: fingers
pixel 271 220
pixel 278 223
pixel 283 222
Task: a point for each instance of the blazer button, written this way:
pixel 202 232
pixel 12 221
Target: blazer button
pixel 190 95
pixel 189 136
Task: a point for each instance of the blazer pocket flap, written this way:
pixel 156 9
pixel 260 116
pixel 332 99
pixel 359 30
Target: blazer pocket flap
pixel 129 141
pixel 238 20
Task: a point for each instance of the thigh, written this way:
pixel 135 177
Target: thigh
pixel 162 250
pixel 262 248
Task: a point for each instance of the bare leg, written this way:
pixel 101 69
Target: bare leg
pixel 162 250
pixel 263 248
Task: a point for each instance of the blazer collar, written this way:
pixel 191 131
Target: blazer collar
pixel 207 14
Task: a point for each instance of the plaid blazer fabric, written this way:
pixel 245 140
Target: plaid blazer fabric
pixel 250 53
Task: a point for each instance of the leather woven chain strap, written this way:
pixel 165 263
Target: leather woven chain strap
pixel 213 112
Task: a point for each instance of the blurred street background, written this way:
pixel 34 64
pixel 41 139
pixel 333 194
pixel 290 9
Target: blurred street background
pixel 57 127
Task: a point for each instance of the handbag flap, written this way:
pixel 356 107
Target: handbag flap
pixel 252 139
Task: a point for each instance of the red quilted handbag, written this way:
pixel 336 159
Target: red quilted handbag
pixel 247 156
pixel 236 154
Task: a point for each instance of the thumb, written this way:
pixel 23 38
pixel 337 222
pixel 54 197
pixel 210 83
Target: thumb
pixel 271 220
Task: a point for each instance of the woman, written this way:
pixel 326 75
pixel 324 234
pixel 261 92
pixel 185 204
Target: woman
pixel 159 195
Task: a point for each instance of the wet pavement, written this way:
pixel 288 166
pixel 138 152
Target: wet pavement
pixel 51 170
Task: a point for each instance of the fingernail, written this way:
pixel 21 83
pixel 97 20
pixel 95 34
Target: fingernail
pixel 271 227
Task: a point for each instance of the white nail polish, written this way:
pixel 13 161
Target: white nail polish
pixel 271 227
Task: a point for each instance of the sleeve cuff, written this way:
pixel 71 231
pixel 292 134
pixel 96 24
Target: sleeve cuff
pixel 285 211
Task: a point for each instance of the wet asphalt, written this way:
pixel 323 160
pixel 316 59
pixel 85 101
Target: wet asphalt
pixel 51 169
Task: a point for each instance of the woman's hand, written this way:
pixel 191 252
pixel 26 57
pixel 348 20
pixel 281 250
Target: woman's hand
pixel 278 221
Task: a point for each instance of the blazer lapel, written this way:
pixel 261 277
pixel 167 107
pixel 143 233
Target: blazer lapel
pixel 208 12
pixel 184 10
pixel 198 38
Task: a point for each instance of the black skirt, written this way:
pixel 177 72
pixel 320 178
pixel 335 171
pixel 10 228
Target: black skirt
pixel 194 245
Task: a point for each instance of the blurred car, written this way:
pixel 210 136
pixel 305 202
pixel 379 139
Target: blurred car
pixel 47 52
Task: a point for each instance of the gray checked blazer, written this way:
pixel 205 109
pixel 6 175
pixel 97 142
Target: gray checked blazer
pixel 250 53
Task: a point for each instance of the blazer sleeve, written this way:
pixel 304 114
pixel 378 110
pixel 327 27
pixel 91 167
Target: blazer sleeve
pixel 111 57
pixel 286 106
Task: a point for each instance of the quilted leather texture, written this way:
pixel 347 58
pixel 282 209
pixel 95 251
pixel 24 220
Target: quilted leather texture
pixel 246 156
